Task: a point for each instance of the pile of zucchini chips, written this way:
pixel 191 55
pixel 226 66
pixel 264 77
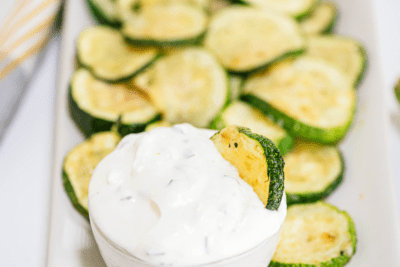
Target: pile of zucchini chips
pixel 273 66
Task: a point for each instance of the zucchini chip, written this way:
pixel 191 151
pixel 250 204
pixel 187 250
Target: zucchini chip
pixel 257 160
pixel 105 12
pixel 293 8
pixel 312 172
pixel 314 235
pixel 343 52
pixel 321 20
pixel 167 24
pixel 96 105
pixel 130 8
pixel 79 164
pixel 104 52
pixel 309 97
pixel 187 86
pixel 245 39
pixel 241 113
pixel 158 124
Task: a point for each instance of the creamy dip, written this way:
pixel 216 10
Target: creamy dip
pixel 168 197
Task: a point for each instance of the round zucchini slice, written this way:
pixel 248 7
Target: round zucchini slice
pixel 245 39
pixel 343 52
pixel 312 172
pixel 321 20
pixel 293 8
pixel 167 24
pixel 241 113
pixel 80 163
pixel 96 105
pixel 257 160
pixel 187 86
pixel 130 8
pixel 104 52
pixel 105 12
pixel 314 235
pixel 309 97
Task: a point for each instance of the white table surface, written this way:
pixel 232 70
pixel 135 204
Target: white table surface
pixel 26 149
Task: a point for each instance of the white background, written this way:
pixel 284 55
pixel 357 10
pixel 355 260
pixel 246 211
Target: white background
pixel 26 149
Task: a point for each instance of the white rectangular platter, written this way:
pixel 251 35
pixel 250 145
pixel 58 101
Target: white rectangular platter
pixel 367 192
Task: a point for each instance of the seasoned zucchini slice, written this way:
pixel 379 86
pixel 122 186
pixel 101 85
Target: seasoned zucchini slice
pixel 293 8
pixel 130 8
pixel 96 105
pixel 257 160
pixel 312 172
pixel 309 97
pixel 321 20
pixel 315 235
pixel 79 164
pixel 167 24
pixel 345 53
pixel 245 39
pixel 187 86
pixel 105 11
pixel 241 113
pixel 105 53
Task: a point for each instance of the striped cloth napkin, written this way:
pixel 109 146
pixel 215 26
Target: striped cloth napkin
pixel 25 28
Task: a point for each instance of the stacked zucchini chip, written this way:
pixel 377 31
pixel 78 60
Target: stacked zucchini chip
pixel 246 39
pixel 272 66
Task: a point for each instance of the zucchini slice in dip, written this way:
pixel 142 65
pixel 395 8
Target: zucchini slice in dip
pixel 343 52
pixel 241 113
pixel 104 52
pixel 321 20
pixel 293 8
pixel 309 97
pixel 96 105
pixel 312 172
pixel 79 164
pixel 314 235
pixel 167 24
pixel 105 12
pixel 245 39
pixel 158 124
pixel 257 160
pixel 187 86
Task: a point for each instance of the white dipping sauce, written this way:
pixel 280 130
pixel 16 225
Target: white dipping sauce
pixel 168 197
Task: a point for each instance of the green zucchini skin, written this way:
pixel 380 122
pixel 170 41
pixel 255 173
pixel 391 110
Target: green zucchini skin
pixel 248 72
pixel 316 196
pixel 99 16
pixel 365 66
pixel 397 91
pixel 275 165
pixel 298 17
pixel 335 262
pixel 71 194
pixel 119 80
pixel 153 42
pixel 297 128
pixel 90 124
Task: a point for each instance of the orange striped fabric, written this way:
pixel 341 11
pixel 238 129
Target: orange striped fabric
pixel 24 32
